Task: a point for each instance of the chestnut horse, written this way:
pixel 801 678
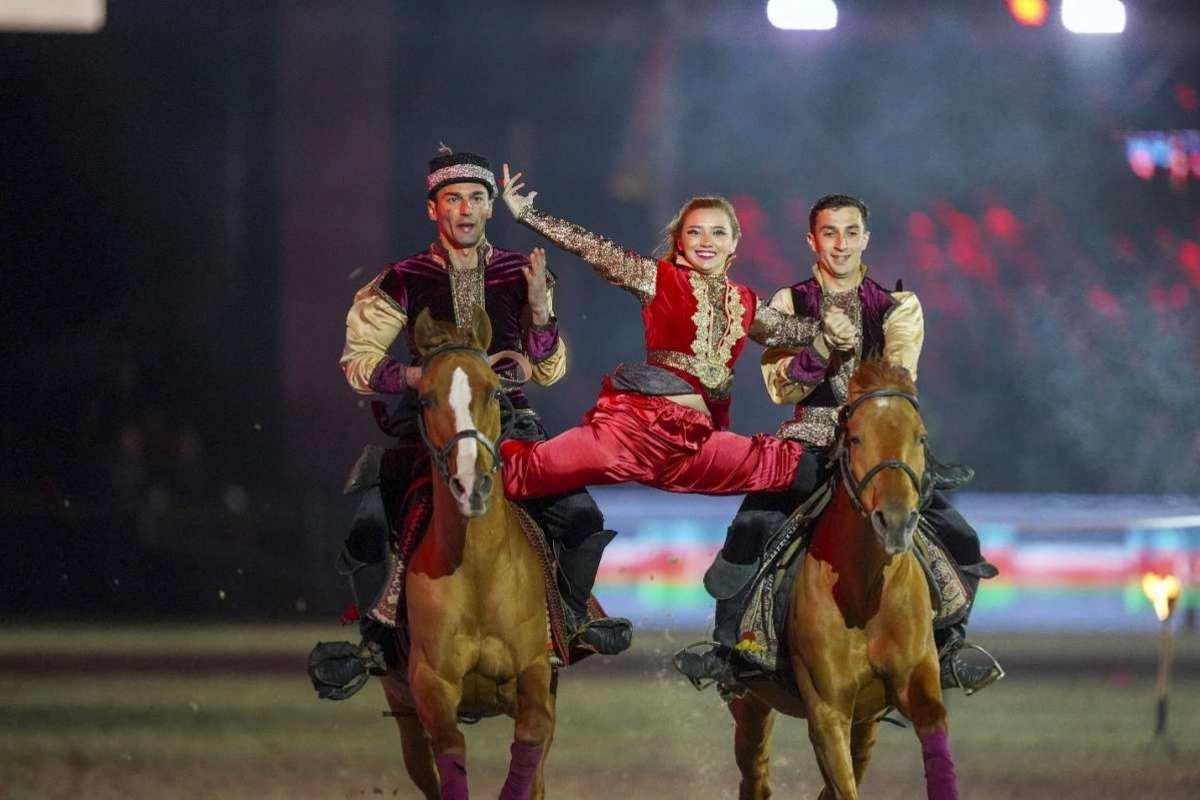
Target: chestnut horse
pixel 860 632
pixel 474 588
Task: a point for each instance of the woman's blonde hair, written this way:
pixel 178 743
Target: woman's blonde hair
pixel 667 248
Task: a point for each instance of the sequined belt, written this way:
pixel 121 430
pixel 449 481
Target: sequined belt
pixel 713 376
pixel 813 425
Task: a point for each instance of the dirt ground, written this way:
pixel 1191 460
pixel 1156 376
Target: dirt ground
pixel 176 725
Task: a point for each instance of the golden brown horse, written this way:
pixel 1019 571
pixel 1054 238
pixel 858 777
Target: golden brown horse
pixel 860 633
pixel 475 594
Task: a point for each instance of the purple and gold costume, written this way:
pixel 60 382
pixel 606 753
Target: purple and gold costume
pixel 889 324
pixel 389 304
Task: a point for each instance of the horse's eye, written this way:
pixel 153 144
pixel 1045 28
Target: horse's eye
pixel 424 401
pixel 498 394
pixel 924 438
pixel 855 441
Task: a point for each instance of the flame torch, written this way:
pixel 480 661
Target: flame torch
pixel 1163 593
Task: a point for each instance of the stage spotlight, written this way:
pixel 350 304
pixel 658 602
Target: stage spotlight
pixel 1031 13
pixel 1093 16
pixel 802 15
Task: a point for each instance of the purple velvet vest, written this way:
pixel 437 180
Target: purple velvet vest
pixel 875 302
pixel 421 282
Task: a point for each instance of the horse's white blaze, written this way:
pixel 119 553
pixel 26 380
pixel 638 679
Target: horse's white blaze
pixel 460 402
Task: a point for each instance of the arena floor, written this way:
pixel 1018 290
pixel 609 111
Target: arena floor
pixel 228 713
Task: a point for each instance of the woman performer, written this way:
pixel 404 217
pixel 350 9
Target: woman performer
pixel 663 423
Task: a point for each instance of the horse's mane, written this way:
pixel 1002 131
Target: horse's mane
pixel 878 373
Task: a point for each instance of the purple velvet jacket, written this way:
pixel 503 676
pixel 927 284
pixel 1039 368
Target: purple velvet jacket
pixel 422 281
pixel 808 367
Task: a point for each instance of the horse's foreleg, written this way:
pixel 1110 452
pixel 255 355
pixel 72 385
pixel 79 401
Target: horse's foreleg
pixel 414 743
pixel 862 739
pixel 539 779
pixel 921 702
pixel 829 731
pixel 753 722
pixel 534 715
pixel 437 702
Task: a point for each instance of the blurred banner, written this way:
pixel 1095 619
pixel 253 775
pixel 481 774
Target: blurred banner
pixel 1067 563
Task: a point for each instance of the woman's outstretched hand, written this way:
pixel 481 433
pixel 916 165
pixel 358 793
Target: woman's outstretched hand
pixel 511 193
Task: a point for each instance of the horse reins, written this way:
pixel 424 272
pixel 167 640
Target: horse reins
pixel 441 455
pixel 854 488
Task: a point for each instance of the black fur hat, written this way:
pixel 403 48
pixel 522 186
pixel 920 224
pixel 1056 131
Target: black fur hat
pixel 450 167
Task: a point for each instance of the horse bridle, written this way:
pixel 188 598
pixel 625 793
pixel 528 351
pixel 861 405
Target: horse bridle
pixel 441 455
pixel 841 453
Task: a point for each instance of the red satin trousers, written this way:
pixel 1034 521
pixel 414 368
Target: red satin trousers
pixel 631 437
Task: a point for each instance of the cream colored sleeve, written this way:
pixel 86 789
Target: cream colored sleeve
pixel 372 325
pixel 550 369
pixel 904 332
pixel 781 388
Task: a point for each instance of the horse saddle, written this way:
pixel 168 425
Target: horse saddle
pixel 762 636
pixel 339 669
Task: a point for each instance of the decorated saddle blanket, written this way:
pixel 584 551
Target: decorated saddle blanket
pixel 762 639
pixel 413 520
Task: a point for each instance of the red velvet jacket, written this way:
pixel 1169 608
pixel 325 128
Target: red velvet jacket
pixel 695 325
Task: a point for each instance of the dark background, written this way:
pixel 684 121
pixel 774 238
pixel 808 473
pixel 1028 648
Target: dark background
pixel 190 197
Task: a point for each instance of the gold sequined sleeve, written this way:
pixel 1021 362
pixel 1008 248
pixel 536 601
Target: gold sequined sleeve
pixel 373 323
pixel 620 267
pixel 774 327
pixel 777 358
pixel 551 368
pixel 904 332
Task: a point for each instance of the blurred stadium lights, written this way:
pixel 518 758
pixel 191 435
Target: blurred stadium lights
pixel 803 15
pixel 52 16
pixel 1093 16
pixel 1176 153
pixel 1031 13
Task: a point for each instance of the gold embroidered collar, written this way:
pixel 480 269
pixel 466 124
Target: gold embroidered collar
pixel 466 283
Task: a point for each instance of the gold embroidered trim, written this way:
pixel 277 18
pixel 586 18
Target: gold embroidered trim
pixel 466 286
pixel 954 595
pixel 459 173
pixel 466 283
pixel 715 377
pixel 716 334
pixel 815 426
pixel 848 301
pixel 377 288
pixel 620 267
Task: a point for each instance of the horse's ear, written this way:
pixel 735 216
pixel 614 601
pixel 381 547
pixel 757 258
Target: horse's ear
pixel 428 333
pixel 481 329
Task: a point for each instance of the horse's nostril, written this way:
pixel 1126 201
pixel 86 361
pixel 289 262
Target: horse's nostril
pixel 457 486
